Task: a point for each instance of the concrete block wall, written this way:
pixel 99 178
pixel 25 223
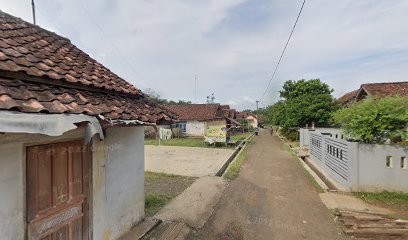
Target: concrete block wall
pixel 356 166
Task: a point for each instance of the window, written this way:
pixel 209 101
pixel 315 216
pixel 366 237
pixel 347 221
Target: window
pixel 388 162
pixel 404 163
pixel 181 125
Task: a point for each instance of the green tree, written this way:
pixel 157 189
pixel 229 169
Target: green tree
pixel 294 89
pixel 303 102
pixel 375 120
pixel 153 96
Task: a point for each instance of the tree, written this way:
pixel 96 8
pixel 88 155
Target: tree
pixel 294 89
pixel 211 98
pixel 375 120
pixel 153 96
pixel 303 102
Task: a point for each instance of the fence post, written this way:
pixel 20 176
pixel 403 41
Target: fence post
pixel 323 150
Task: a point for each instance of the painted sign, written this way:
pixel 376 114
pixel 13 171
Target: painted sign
pixel 216 134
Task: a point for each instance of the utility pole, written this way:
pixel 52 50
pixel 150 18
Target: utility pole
pixel 33 10
pixel 257 102
pixel 195 89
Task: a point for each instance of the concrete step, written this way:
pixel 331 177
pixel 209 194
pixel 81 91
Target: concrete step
pixel 372 225
pixel 141 229
pixel 176 231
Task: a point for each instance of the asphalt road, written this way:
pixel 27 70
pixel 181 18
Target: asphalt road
pixel 272 198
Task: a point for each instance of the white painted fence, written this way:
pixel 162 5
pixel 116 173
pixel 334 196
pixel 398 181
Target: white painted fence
pixel 356 166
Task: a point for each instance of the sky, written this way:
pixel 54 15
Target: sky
pixel 232 46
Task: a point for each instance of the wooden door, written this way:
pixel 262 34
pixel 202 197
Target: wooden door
pixel 58 191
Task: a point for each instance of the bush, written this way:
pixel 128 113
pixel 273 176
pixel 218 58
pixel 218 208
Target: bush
pixel 375 120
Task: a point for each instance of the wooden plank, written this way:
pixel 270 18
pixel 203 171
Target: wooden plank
pixel 176 231
pixel 141 229
pixel 61 234
pixel 32 159
pixel 60 174
pixel 44 178
pixel 76 170
pixel 86 163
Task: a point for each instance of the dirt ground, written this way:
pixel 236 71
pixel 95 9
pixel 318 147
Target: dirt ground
pixel 169 185
pixel 272 198
pixel 186 161
pixel 161 188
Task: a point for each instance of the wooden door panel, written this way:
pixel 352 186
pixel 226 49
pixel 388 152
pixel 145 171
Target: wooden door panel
pixel 60 174
pixel 57 191
pixel 44 178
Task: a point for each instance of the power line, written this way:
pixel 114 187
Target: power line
pixel 284 49
pixel 111 42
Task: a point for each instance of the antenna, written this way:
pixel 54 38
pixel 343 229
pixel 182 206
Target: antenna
pixel 33 10
pixel 195 89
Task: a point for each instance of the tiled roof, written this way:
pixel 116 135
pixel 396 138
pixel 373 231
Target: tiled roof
pixel 347 97
pixel 386 89
pixel 44 72
pixel 197 111
pixel 244 115
pixel 224 107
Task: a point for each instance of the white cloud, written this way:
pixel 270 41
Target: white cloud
pixel 233 45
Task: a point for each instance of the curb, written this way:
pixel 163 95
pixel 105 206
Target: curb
pixel 237 150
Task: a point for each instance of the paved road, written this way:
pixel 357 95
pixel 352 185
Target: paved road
pixel 272 198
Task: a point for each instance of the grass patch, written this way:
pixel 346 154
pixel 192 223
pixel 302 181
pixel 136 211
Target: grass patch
pixel 393 200
pixel 153 203
pixel 182 142
pixel 161 188
pixel 195 142
pixel 241 136
pixel 235 166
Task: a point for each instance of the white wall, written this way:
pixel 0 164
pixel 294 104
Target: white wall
pixel 118 182
pixel 195 128
pixel 373 175
pixel 12 197
pixel 253 122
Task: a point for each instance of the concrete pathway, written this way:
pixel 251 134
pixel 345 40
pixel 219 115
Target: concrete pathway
pixel 272 198
pixel 196 204
pixel 186 161
pixel 344 201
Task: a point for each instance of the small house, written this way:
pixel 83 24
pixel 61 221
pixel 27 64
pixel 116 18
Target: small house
pixel 195 119
pixel 248 117
pixel 71 140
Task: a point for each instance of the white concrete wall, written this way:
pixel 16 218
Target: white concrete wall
pixel 12 196
pixel 118 182
pixel 374 175
pixel 253 122
pixel 195 128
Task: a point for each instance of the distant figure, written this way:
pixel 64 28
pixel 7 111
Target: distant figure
pixel 257 131
pixel 271 131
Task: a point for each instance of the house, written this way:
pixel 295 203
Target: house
pixel 71 140
pixel 194 119
pixel 375 90
pixel 248 117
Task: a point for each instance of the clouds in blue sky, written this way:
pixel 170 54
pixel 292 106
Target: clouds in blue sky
pixel 233 45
